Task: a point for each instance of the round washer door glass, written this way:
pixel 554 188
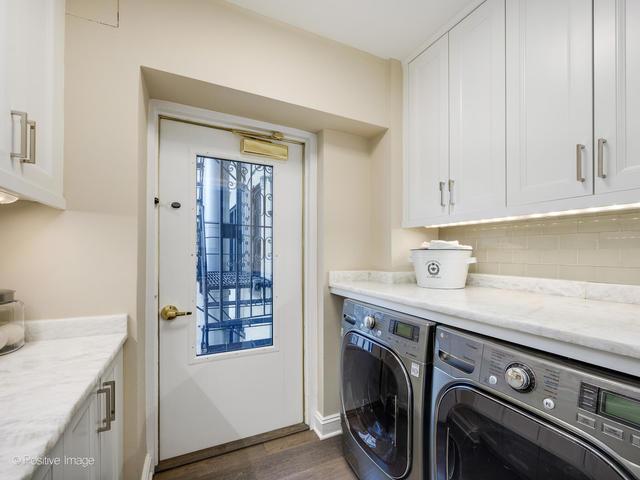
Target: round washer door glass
pixel 480 438
pixel 376 397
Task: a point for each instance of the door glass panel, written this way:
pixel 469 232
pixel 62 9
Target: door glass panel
pixel 377 402
pixel 478 438
pixel 234 232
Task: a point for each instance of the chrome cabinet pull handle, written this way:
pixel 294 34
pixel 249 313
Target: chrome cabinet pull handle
pixel 451 185
pixel 107 420
pixel 579 176
pixel 24 120
pixel 31 159
pixel 112 387
pixel 601 143
pixel 442 204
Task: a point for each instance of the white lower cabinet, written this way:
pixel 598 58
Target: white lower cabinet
pixel 111 441
pixel 52 471
pixel 80 443
pixel 91 447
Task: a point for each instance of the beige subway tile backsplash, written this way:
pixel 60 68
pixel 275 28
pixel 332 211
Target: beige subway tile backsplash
pixel 544 271
pixel 627 239
pixel 542 242
pixel 559 257
pixel 599 257
pixel 576 272
pixel 603 247
pixel 578 240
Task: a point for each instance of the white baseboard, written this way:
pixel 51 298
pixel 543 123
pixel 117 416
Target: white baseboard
pixel 327 427
pixel 147 468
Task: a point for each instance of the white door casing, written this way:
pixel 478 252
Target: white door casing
pixel 426 166
pixel 210 400
pixel 549 100
pixel 616 94
pixel 477 103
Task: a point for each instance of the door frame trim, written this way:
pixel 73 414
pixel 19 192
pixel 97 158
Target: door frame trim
pixel 311 304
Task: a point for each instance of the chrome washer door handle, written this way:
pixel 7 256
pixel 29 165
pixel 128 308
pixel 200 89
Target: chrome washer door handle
pixel 579 175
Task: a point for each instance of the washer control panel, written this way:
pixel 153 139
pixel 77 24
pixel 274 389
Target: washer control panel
pixel 406 335
pixel 600 404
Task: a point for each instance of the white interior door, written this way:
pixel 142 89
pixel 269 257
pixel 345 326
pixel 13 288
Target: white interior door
pixel 230 235
pixel 549 100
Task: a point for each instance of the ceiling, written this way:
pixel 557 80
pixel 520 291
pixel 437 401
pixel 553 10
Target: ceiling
pixel 386 28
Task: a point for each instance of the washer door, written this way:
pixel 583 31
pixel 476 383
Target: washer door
pixel 479 438
pixel 377 403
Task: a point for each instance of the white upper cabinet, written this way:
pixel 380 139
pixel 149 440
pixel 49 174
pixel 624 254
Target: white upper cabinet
pixel 617 94
pixel 477 103
pixel 426 168
pixel 549 100
pixel 566 74
pixel 32 86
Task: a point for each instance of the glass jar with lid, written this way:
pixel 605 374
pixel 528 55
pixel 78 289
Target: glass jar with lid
pixel 11 322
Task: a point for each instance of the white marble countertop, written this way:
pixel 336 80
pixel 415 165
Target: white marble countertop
pixel 566 323
pixel 43 384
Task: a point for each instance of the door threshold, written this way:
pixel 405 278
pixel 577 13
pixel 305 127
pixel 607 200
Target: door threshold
pixel 211 452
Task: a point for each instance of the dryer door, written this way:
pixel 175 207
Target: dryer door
pixel 479 437
pixel 377 403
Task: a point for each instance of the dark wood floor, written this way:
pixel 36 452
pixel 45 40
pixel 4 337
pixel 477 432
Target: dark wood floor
pixel 295 457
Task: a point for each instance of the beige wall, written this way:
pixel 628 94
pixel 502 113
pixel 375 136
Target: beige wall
pixel 345 218
pixel 89 259
pixel 595 248
pixel 391 243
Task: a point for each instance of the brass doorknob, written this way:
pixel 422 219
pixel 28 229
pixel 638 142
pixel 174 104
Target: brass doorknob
pixel 169 312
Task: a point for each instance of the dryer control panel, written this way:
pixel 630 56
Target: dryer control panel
pixel 603 405
pixel 408 336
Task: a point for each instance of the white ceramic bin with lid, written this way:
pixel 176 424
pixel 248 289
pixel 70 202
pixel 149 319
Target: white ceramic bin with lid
pixel 440 264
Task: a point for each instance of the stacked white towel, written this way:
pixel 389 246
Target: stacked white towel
pixel 445 245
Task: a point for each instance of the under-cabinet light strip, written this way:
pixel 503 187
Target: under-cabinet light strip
pixel 563 213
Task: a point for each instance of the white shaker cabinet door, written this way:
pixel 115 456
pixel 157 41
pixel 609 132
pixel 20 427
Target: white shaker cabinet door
pixel 549 100
pixel 81 443
pixel 54 470
pixel 111 440
pixel 32 81
pixel 477 102
pixel 426 167
pixel 617 94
